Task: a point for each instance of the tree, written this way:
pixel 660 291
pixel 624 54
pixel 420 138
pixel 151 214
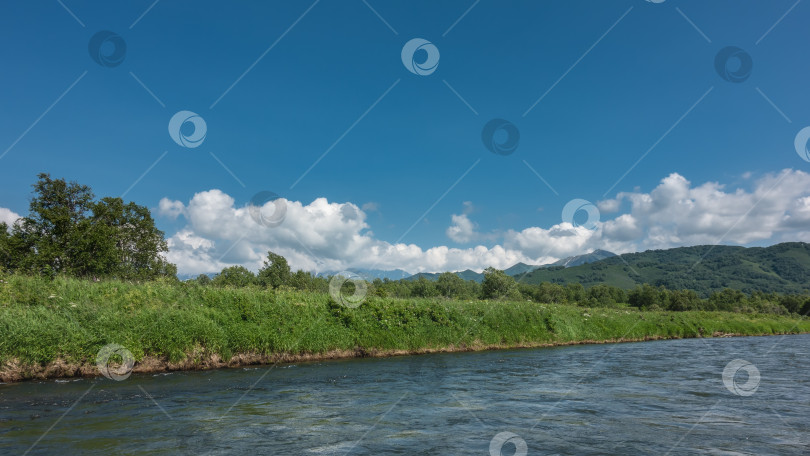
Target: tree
pixel 423 288
pixel 50 238
pixel 5 247
pixel 301 280
pixel 497 284
pixel 683 300
pixel 646 297
pixel 552 293
pixel 575 293
pixel 276 271
pixel 805 310
pixel 235 276
pixel 135 244
pixel 792 303
pixel 450 285
pixel 727 299
pixel 601 296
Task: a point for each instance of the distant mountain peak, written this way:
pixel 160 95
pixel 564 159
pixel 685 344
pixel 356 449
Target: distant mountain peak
pixel 579 260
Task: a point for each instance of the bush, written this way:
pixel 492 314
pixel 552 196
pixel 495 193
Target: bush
pixel 235 276
pixel 647 297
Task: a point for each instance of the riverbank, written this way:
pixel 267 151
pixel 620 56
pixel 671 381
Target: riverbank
pixel 51 329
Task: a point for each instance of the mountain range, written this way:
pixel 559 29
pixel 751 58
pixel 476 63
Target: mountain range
pixel 521 269
pixel 371 274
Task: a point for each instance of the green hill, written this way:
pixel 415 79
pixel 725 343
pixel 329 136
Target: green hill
pixel 466 274
pixel 783 268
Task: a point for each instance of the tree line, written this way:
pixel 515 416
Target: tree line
pixel 498 285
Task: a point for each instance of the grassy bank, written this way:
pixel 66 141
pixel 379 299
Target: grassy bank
pixel 56 328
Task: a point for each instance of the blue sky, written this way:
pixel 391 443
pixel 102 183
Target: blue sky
pixel 279 84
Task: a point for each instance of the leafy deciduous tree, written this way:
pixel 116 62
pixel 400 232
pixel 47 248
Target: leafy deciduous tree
pixel 275 272
pixel 497 284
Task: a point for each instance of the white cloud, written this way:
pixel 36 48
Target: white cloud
pixel 170 209
pixel 371 206
pixel 317 236
pixel 463 230
pixel 676 213
pixel 550 244
pixel 8 216
pixel 325 235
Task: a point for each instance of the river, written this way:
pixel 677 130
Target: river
pixel 729 396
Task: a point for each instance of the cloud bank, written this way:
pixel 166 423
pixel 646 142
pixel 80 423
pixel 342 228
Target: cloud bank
pixel 325 235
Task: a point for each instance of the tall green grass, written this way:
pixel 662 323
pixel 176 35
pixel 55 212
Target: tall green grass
pixel 42 320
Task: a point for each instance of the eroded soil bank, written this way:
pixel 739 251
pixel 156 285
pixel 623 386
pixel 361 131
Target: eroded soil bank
pixel 15 371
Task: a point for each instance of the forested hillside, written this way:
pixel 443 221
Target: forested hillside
pixel 783 268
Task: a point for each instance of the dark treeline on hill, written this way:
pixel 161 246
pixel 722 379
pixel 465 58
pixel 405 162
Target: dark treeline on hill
pixel 705 269
pixel 68 232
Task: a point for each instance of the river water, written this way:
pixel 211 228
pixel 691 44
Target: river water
pixel 664 397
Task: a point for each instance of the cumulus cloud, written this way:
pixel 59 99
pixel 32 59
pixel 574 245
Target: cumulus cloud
pixel 8 216
pixel 170 209
pixel 676 213
pixel 318 236
pixel 462 230
pixel 325 235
